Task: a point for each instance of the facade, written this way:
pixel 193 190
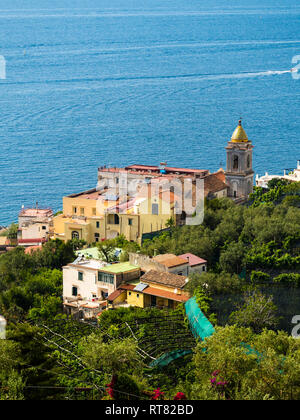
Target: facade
pixel 173 264
pixel 97 215
pixel 196 264
pixel 34 226
pixel 90 281
pixel 239 173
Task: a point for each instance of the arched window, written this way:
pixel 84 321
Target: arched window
pixel 235 162
pixel 75 235
pixel 248 161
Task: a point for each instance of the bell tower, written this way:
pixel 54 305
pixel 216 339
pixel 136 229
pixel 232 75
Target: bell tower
pixel 239 171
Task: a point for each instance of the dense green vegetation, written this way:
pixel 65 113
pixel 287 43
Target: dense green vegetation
pixel 252 284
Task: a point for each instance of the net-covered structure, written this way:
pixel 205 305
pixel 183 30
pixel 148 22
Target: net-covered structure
pixel 199 324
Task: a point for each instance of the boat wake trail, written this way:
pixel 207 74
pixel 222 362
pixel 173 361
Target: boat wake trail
pixel 93 81
pixel 249 74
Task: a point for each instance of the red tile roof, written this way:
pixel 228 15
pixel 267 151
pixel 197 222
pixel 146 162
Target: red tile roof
pixel 170 260
pixel 33 240
pixel 164 278
pixel 36 212
pixel 213 184
pixel 114 295
pixel 193 259
pixel 152 291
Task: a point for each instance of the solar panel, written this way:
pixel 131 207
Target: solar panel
pixel 140 287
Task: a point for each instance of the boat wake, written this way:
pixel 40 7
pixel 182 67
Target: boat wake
pixel 92 82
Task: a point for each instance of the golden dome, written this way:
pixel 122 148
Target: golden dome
pixel 239 135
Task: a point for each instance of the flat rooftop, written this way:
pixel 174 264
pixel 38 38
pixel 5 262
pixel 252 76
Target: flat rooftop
pixel 119 268
pixel 156 170
pixel 34 212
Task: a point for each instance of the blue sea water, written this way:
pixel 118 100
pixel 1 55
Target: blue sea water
pixel 117 82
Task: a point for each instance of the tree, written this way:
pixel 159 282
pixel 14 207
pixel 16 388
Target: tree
pixel 215 283
pixel 113 357
pixel 277 182
pixel 232 258
pixel 247 366
pixel 12 232
pixel 107 251
pixel 257 312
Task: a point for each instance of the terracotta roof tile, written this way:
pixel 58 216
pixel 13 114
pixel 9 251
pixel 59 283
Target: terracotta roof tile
pixel 166 279
pixel 153 291
pixel 193 259
pixel 212 184
pixel 114 295
pixel 170 260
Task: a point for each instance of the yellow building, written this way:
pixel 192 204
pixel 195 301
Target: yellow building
pixel 134 201
pixel 96 215
pixel 155 289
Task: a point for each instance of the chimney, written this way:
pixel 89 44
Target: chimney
pixel 188 269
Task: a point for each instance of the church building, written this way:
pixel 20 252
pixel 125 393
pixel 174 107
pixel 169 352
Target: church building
pixel 239 173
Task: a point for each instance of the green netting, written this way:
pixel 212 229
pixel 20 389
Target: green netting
pixel 167 358
pixel 199 324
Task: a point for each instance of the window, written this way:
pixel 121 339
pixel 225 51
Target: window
pixel 44 227
pixel 130 221
pixel 137 295
pixel 80 275
pixel 74 291
pixel 204 268
pixel 105 277
pixel 97 225
pixel 153 300
pixel 129 293
pixel 248 161
pixel 82 211
pixel 235 162
pixel 113 219
pixel 75 235
pixel 155 209
pixel 74 210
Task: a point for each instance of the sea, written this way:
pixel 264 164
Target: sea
pixel 117 82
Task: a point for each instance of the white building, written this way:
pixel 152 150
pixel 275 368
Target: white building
pixel 34 225
pixel 292 176
pixel 196 264
pixel 88 282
